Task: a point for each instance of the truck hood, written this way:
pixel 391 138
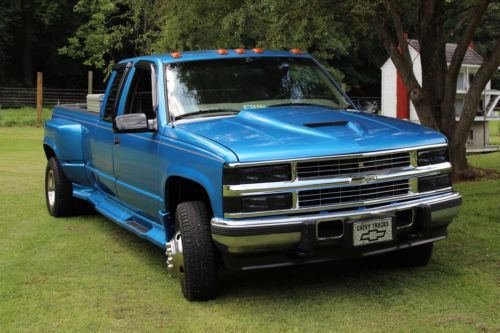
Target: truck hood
pixel 290 132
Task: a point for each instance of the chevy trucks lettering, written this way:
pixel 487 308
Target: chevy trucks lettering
pixel 293 174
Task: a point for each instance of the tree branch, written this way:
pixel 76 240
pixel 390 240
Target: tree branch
pixel 475 15
pixel 484 74
pixel 400 33
pixel 404 66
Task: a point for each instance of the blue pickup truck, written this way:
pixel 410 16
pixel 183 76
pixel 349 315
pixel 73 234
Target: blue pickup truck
pixel 248 159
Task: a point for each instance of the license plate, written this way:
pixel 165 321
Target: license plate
pixel 372 231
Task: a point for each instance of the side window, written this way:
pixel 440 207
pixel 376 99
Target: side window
pixel 140 97
pixel 113 95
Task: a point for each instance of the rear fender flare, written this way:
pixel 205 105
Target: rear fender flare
pixel 64 139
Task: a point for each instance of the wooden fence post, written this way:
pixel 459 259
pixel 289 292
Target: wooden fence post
pixel 39 96
pixel 90 81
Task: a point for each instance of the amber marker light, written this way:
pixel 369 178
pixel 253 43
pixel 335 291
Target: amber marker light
pixel 176 54
pixel 258 50
pixel 222 51
pixel 296 51
pixel 240 51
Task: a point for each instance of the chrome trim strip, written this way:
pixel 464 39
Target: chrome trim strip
pixel 321 158
pixel 337 206
pixel 390 174
pixel 352 214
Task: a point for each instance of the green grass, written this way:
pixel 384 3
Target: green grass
pixel 87 274
pixel 494 132
pixel 22 117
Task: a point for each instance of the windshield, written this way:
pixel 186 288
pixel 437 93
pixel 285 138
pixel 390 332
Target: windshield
pixel 214 87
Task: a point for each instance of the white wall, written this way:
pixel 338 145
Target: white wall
pixel 389 86
pixel 389 78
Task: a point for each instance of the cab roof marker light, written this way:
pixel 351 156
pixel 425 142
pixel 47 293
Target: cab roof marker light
pixel 258 50
pixel 296 51
pixel 222 51
pixel 175 54
pixel 240 51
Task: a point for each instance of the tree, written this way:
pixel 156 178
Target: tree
pixel 30 34
pixel 116 29
pixel 435 22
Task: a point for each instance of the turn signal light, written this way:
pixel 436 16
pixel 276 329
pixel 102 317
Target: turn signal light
pixel 258 50
pixel 240 51
pixel 222 51
pixel 296 51
pixel 176 54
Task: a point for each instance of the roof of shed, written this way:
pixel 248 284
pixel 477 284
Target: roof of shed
pixel 471 56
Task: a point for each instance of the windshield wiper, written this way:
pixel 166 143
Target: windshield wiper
pixel 304 104
pixel 205 112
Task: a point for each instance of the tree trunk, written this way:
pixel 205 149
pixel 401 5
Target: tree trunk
pixel 458 158
pixel 434 99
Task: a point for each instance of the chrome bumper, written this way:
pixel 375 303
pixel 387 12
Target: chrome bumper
pixel 272 233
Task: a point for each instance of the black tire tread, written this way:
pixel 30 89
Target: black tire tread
pixel 200 267
pixel 64 204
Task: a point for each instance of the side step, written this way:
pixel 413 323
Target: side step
pixel 116 212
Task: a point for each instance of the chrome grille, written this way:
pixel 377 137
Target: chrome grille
pixel 352 166
pixel 353 194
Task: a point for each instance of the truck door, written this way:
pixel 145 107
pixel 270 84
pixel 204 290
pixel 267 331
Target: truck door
pixel 103 146
pixel 136 154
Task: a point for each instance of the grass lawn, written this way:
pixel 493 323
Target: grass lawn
pixel 87 274
pixel 22 117
pixel 494 132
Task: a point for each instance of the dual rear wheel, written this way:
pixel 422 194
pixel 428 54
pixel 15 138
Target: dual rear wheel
pixel 58 191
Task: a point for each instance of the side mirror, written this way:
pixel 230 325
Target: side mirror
pixel 134 122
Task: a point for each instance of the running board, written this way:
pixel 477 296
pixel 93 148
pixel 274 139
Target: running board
pixel 121 215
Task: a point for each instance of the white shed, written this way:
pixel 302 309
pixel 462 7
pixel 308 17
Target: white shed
pixel 396 103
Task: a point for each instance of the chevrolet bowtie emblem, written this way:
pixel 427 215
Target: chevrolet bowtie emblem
pixel 364 179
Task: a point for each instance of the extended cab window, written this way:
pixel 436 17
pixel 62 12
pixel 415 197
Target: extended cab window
pixel 140 98
pixel 109 111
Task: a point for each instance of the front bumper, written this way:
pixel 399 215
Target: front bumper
pixel 304 239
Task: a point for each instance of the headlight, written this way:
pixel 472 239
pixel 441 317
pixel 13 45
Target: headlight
pixel 432 183
pixel 432 156
pixel 260 174
pixel 257 203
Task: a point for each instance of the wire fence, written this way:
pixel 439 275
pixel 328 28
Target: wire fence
pixel 26 97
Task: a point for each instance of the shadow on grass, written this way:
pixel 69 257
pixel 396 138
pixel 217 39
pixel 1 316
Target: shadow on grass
pixel 328 279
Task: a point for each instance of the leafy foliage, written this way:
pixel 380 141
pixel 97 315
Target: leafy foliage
pixel 158 27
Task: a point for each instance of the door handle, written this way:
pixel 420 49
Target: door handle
pixel 117 141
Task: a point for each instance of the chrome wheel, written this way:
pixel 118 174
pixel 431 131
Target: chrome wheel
pixel 51 188
pixel 175 256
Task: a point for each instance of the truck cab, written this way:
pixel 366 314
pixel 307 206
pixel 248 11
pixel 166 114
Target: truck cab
pixel 246 159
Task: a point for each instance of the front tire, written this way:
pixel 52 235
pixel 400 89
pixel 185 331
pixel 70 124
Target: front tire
pixel 58 190
pixel 191 252
pixel 415 256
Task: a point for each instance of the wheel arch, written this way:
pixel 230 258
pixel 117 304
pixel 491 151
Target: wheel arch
pixel 49 151
pixel 180 189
